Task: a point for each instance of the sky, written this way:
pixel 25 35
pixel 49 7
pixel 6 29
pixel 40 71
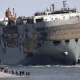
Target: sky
pixel 29 7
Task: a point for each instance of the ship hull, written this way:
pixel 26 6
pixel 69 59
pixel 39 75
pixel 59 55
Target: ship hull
pixel 47 54
pixel 57 51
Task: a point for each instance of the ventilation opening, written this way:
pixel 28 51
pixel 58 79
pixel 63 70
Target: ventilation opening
pixel 76 40
pixel 56 42
pixel 67 41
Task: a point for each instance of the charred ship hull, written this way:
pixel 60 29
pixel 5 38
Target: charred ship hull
pixel 26 50
pixel 60 40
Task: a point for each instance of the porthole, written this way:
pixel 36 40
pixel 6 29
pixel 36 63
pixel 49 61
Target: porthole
pixel 56 42
pixel 67 41
pixel 52 18
pixel 76 40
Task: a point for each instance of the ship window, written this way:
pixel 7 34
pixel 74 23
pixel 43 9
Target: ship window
pixel 29 20
pixel 42 42
pixel 77 17
pixel 73 17
pixel 39 44
pixel 49 13
pixel 39 20
pixel 63 17
pixel 56 18
pixel 38 14
pixel 56 42
pixel 52 18
pixel 46 19
pixel 67 41
pixel 76 40
pixel 61 12
pixel 57 12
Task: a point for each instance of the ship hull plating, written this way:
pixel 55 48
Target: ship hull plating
pixel 58 51
pixel 47 53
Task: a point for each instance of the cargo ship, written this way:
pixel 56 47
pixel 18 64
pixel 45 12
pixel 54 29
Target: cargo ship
pixel 48 37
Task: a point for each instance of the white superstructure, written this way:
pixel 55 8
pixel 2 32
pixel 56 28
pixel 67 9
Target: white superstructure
pixel 57 15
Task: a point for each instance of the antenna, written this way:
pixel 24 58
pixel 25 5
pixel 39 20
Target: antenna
pixel 47 9
pixel 53 7
pixel 15 15
pixel 13 12
pixel 50 8
pixel 64 4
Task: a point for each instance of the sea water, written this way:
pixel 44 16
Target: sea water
pixel 48 72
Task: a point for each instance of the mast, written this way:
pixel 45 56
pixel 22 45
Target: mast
pixel 15 15
pixel 13 12
pixel 64 4
pixel 53 7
